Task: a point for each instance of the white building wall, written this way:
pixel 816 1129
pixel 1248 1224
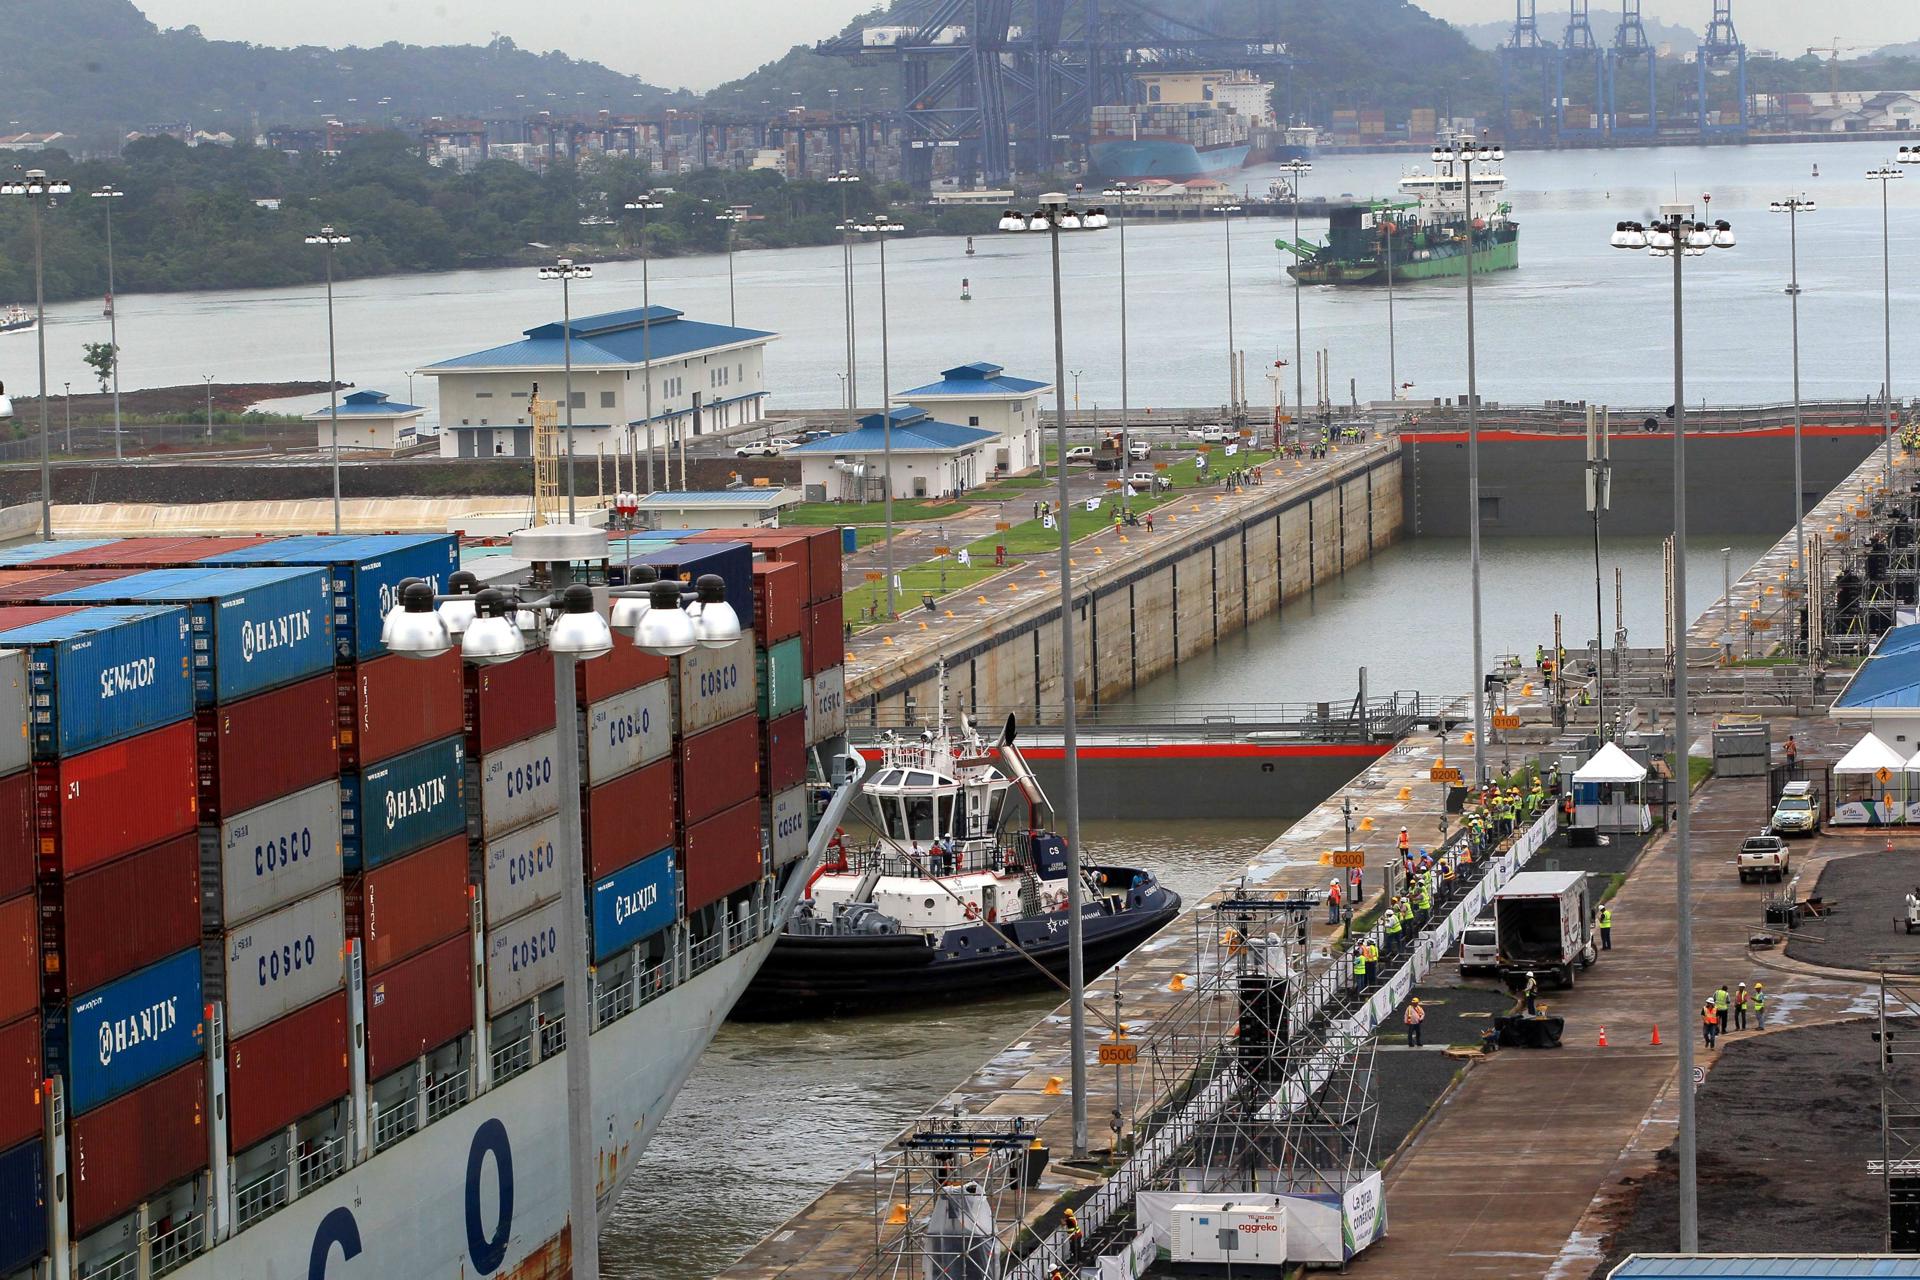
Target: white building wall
pixel 360 433
pixel 915 475
pixel 1015 419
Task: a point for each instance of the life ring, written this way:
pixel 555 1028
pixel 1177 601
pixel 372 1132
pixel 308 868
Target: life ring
pixel 992 915
pixel 973 911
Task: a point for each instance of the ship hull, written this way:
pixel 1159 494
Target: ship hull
pixel 1501 256
pixel 1135 159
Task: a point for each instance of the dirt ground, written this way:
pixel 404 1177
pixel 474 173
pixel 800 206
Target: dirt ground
pixel 1776 1174
pixel 1869 889
pixel 228 397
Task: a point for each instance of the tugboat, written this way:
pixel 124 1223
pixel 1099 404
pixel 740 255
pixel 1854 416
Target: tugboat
pixel 963 893
pixel 16 319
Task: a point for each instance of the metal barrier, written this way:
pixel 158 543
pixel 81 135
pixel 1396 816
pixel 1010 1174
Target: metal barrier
pixel 259 1198
pixel 321 1165
pixel 395 1123
pixel 446 1095
pixel 510 1059
pixel 1385 716
pixel 123 1266
pixel 175 1248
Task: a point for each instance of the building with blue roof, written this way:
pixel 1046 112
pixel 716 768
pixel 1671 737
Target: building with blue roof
pixel 983 394
pixel 1883 694
pixel 931 459
pixel 706 378
pixel 1766 1266
pixel 369 420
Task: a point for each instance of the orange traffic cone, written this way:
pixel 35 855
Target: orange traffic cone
pixel 1603 1037
pixel 1656 1033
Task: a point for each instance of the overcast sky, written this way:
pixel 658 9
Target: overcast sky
pixel 698 43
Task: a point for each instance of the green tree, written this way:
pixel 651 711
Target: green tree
pixel 101 357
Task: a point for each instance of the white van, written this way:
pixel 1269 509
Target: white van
pixel 1479 946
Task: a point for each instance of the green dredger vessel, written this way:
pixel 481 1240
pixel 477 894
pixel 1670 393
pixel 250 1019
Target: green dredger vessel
pixel 1421 239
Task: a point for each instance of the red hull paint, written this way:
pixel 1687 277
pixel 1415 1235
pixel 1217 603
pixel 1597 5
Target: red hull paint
pixel 1627 435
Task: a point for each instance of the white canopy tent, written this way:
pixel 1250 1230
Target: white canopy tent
pixel 1875 793
pixel 1608 793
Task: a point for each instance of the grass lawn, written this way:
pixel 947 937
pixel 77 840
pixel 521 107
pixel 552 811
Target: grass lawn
pixel 866 535
pixel 1014 487
pixel 913 582
pixel 839 513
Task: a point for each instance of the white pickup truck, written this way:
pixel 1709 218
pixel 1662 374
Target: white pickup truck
pixel 1764 857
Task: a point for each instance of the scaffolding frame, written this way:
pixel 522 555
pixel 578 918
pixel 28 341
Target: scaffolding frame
pixel 545 415
pixel 950 1198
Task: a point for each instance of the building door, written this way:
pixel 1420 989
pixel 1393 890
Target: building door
pixel 698 422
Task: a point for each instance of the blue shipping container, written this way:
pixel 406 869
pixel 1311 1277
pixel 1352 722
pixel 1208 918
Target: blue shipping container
pixel 252 629
pixel 732 561
pixel 633 903
pixel 402 804
pixel 126 1033
pixel 23 1207
pixel 365 571
pixel 104 674
pixel 30 552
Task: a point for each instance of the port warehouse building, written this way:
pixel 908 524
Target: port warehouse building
pixel 706 378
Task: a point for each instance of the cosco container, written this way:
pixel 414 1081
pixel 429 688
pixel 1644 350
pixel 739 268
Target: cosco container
pixel 267 746
pixel 23 1207
pixel 128 1032
pixel 633 903
pixel 366 571
pixel 721 855
pixel 628 730
pixel 402 804
pixel 826 636
pixel 786 823
pixel 826 705
pixel 19 956
pixel 718 769
pixel 397 703
pixel 137 1145
pixel 509 701
pixel 624 667
pixel 287 1069
pixel 282 961
pixel 780 604
pixel 20 1077
pixel 402 908
pixel 512 786
pixel 100 675
pixel 252 629
pixel 524 957
pixel 419 1005
pixel 276 853
pixel 716 685
pixel 731 562
pixel 111 800
pixel 783 755
pixel 16 746
pixel 520 870
pixel 777 676
pixel 18 842
pixel 124 916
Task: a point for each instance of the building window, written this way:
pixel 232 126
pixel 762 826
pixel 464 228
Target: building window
pixel 518 395
pixel 578 400
pixel 606 399
pixel 973 420
pixel 483 395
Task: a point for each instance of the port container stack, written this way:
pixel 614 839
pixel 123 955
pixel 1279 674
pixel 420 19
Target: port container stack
pixel 22 1176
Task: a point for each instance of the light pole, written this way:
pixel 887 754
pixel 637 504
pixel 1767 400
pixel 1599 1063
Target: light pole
pixel 107 195
pixel 732 218
pixel 1054 216
pixel 1466 155
pixel 67 387
pixel 1676 235
pixel 1119 193
pixel 1297 169
pixel 1885 175
pixel 1793 207
pixel 880 228
pixel 328 239
pixel 1387 232
pixel 424 626
pixel 1075 374
pixel 38 189
pixel 1226 212
pixel 643 205
pixel 566 271
pixel 208 379
pixel 844 180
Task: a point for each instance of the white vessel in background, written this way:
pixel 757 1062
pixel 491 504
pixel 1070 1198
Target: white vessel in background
pixel 16 319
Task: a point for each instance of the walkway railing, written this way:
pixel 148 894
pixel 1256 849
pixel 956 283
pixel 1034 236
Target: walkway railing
pixel 1387 716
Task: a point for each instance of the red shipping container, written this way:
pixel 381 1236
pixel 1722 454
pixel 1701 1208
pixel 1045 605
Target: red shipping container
pixel 509 701
pixel 267 746
pixel 287 1069
pixel 20 1114
pixel 779 604
pixel 19 957
pixel 828 640
pixel 154 553
pixel 630 818
pixel 396 703
pixel 721 854
pixel 777 546
pixel 95 806
pixel 51 582
pixel 401 908
pixel 783 763
pixel 627 667
pixel 140 1143
pixel 823 555
pixel 23 615
pixel 17 843
pixel 121 917
pixel 418 1005
pixel 718 768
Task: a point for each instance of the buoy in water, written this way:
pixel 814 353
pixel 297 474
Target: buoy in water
pixel 969 246
pixel 966 288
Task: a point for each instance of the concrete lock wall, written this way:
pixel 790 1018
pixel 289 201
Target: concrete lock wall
pixel 1138 618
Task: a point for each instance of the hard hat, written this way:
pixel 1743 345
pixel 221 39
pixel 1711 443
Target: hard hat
pixel 1416 1000
pixel 1759 984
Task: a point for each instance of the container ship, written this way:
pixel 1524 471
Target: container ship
pixel 280 983
pixel 1424 238
pixel 1192 125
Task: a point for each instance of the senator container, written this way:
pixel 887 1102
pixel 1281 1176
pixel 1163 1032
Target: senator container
pixel 20 1077
pixel 512 786
pixel 120 1036
pixel 524 957
pixel 826 705
pixel 366 571
pixel 16 748
pixel 633 903
pixel 786 823
pixel 102 674
pixel 507 702
pixel 721 855
pixel 287 1069
pixel 137 1145
pixel 252 629
pixel 780 602
pixel 630 817
pixel 405 906
pixel 396 703
pixel 521 869
pixel 124 916
pixel 418 1005
pixel 271 855
pixel 403 804
pixel 731 562
pixel 718 769
pixel 826 638
pixel 267 746
pixel 715 685
pixel 783 755
pixel 777 677
pixel 19 956
pixel 624 667
pixel 93 807
pixel 628 730
pixel 23 1206
pixel 283 960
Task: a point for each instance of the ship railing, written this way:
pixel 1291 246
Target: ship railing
pixel 259 1198
pixel 892 863
pixel 510 1059
pixel 446 1095
pixel 611 1003
pixel 179 1245
pixel 123 1266
pixel 706 953
pixel 651 984
pixel 395 1123
pixel 322 1164
pixel 553 1036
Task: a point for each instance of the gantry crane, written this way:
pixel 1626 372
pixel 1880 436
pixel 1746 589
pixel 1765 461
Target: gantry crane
pixel 1722 54
pixel 1631 48
pixel 1579 50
